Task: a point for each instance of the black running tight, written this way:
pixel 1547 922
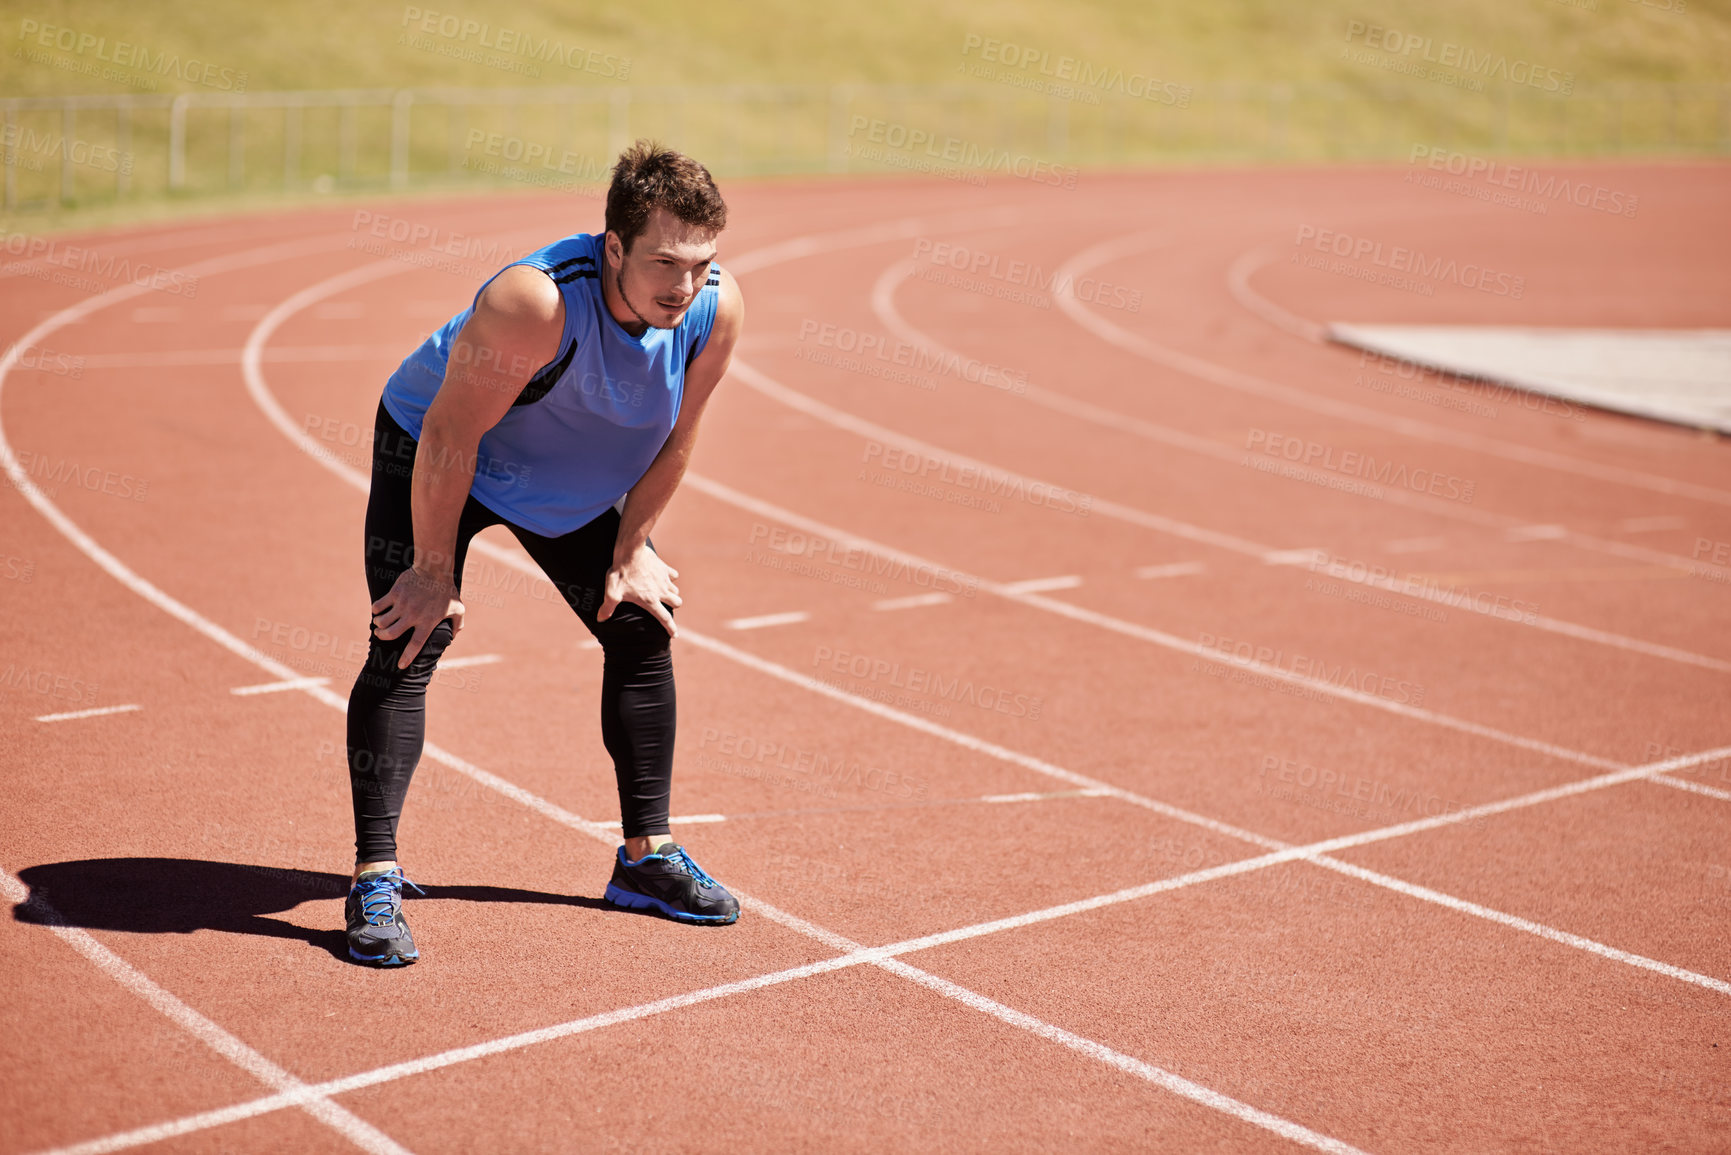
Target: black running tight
pixel 387 707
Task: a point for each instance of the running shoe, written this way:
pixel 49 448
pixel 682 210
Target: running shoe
pixel 670 882
pixel 377 933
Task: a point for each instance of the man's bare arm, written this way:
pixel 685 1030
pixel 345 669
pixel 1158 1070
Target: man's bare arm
pixel 637 575
pixel 515 329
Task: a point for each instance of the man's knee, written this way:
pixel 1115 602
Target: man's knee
pixel 382 672
pixel 632 630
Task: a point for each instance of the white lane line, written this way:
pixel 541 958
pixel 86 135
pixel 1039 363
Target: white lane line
pixel 258 388
pixel 569 819
pixel 545 807
pixel 1535 533
pixel 1293 556
pixel 1693 787
pixel 765 620
pixel 1176 569
pixel 362 1134
pixel 775 390
pixel 1035 797
pixel 883 303
pixel 1486 605
pixel 205 1120
pixel 968 741
pixel 1258 386
pixel 903 229
pixel 1651 524
pixel 1000 478
pixel 1064 280
pixel 279 687
pixel 1027 1022
pixel 470 660
pixel 915 563
pixel 97 712
pixel 1285 852
pixel 1176 1084
pixel 289 354
pixel 255 378
pixel 1579 942
pixel 331 1114
pixel 1262 669
pixel 1044 585
pixel 602 832
pixel 916 600
pixel 1238 284
pixel 855 955
pixel 687 820
pixel 1414 544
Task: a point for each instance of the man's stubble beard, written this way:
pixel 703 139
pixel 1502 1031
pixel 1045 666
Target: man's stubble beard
pixel 619 283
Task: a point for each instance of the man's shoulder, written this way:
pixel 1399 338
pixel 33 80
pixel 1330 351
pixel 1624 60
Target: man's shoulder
pixel 522 293
pixel 569 259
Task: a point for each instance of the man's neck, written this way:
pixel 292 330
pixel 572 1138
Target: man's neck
pixel 616 305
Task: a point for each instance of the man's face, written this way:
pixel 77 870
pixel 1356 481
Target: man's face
pixel 667 265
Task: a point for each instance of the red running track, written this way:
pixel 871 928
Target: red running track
pixel 1085 788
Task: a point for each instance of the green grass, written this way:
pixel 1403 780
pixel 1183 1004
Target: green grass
pixel 326 44
pixel 1242 80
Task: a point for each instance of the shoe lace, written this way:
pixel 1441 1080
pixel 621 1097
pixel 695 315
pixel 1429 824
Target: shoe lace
pixel 381 896
pixel 679 856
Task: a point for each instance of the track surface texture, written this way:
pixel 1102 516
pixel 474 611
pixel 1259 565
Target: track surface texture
pixel 1131 722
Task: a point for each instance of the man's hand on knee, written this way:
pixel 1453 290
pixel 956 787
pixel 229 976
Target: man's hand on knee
pixel 645 580
pixel 417 602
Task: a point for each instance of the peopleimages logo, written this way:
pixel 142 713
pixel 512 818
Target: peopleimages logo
pixel 1020 274
pixel 514 42
pixel 913 357
pixel 1249 658
pixel 133 56
pixel 958 688
pixel 983 479
pixel 792 543
pixel 1353 464
pixel 41 255
pixel 1083 74
pixel 28 146
pixel 1448 54
pixel 1400 259
pixel 965 153
pixel 1417 585
pixel 1548 186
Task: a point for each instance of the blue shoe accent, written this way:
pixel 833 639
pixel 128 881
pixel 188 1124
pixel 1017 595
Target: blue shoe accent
pixel 631 900
pixel 377 932
pixel 389 960
pixel 670 882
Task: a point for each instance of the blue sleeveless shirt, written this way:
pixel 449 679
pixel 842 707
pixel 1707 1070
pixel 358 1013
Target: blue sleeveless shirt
pixel 587 426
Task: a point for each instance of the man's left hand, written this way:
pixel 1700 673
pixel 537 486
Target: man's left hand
pixel 645 580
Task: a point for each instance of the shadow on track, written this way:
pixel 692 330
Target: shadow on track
pixel 181 895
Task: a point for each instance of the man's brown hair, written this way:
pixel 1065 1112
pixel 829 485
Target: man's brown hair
pixel 650 175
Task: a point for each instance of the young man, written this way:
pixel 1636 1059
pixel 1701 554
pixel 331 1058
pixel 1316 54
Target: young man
pixel 562 404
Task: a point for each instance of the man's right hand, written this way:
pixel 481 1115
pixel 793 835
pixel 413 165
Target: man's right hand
pixel 417 602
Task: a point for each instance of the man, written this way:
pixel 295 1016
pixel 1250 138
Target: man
pixel 562 404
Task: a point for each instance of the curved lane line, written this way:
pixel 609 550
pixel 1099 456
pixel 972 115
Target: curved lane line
pixel 883 303
pixel 333 1115
pixel 1248 383
pixel 235 645
pixel 252 362
pixel 1619 773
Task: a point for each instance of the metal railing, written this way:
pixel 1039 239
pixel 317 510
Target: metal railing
pixel 77 148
